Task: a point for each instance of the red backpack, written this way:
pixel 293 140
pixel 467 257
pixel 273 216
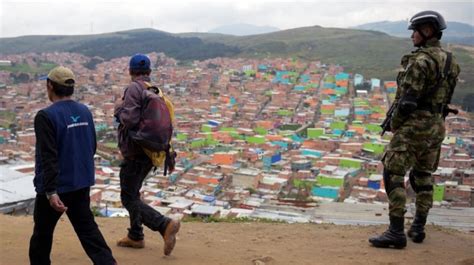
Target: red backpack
pixel 155 128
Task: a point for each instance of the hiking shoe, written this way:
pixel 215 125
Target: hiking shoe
pixel 126 242
pixel 170 236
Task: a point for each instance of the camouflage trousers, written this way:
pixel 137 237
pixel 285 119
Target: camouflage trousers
pixel 416 147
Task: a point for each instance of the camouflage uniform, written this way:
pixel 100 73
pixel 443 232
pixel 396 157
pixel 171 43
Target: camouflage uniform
pixel 418 136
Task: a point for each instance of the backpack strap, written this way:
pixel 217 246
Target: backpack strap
pixel 447 67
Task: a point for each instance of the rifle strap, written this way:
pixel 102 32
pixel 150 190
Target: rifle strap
pixel 441 77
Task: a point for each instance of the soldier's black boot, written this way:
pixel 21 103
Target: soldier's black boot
pixel 394 236
pixel 417 229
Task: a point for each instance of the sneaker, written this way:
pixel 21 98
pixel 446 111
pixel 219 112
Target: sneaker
pixel 126 242
pixel 170 236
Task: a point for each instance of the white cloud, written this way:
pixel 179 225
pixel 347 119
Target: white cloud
pixel 27 17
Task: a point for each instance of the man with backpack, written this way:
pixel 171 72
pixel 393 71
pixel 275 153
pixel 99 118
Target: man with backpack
pixel 136 163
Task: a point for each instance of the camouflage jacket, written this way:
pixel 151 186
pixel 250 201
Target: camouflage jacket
pixel 421 70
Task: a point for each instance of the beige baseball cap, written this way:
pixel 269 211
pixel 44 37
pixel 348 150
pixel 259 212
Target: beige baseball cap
pixel 62 76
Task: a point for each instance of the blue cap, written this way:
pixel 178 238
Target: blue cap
pixel 139 62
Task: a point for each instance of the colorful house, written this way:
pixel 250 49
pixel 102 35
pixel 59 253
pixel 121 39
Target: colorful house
pixel 358 79
pixel 326 192
pixel 331 181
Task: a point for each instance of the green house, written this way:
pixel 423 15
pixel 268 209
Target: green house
pixel 324 180
pixel 182 136
pixel 327 111
pixel 350 163
pixel 376 148
pixel 338 125
pixel 314 133
pixel 260 131
pixel 438 192
pixel 373 128
pixel 206 128
pixel 284 112
pixel 258 139
pixel 228 129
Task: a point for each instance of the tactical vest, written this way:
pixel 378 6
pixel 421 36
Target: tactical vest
pixel 439 82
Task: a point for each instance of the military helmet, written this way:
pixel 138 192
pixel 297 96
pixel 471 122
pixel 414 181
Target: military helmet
pixel 425 17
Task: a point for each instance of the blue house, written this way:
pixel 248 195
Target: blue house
pixel 342 112
pixel 374 181
pixel 374 83
pixel 326 192
pixel 358 79
pixel 281 144
pixel 342 76
pixel 311 152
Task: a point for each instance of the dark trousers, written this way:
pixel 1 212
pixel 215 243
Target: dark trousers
pixel 80 215
pixel 132 175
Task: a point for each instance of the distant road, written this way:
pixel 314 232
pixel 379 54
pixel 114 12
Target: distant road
pixel 376 214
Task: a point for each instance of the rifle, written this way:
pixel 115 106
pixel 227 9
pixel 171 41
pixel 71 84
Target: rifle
pixel 447 110
pixel 388 117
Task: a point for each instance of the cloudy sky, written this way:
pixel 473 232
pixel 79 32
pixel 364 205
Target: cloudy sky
pixel 48 17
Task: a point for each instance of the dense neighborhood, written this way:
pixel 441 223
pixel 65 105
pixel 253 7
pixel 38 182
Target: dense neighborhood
pixel 256 138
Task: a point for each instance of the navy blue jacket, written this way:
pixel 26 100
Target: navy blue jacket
pixel 65 148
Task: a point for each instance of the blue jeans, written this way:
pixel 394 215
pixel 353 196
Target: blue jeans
pixel 132 174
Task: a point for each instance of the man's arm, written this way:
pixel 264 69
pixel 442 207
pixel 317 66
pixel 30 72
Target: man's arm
pixel 48 151
pixel 130 110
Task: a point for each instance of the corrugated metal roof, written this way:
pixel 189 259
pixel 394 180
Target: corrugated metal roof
pixel 15 186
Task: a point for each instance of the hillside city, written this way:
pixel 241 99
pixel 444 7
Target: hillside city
pixel 255 138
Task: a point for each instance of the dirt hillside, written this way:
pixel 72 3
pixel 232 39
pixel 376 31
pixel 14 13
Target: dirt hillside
pixel 244 243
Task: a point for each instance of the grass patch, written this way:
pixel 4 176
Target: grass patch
pixel 111 145
pixel 41 68
pixel 7 118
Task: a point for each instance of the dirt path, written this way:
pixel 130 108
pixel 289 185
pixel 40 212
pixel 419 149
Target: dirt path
pixel 244 243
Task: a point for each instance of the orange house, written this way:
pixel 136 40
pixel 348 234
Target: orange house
pixel 265 124
pixel 388 84
pixel 328 107
pixel 376 115
pixel 222 158
pixel 271 137
pixel 328 92
pixel 223 137
pixel 342 83
pixel 357 129
pixel 207 180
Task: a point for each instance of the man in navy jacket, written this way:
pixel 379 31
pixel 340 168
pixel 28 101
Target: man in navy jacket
pixel 64 171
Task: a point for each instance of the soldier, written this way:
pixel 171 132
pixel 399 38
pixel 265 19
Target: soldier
pixel 425 88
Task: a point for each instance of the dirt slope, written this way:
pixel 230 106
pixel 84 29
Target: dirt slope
pixel 244 243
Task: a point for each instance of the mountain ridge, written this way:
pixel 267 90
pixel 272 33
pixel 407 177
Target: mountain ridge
pixel 457 32
pixel 368 52
pixel 243 29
